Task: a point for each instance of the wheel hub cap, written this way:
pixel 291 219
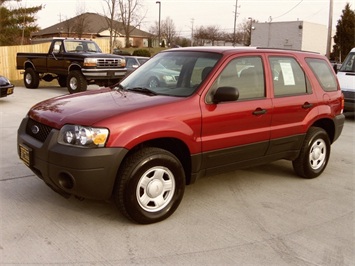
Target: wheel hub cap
pixel 155 188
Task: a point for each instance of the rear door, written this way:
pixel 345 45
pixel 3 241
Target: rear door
pixel 293 102
pixel 233 132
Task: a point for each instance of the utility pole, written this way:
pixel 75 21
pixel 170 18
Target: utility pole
pixel 235 22
pixel 330 24
pixel 192 31
pixel 159 3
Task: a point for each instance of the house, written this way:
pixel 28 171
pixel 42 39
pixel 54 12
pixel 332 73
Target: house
pixel 298 35
pixel 91 25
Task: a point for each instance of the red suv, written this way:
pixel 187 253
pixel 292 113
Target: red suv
pixel 185 113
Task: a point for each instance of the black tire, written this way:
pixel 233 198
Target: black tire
pixel 150 185
pixel 314 154
pixel 153 82
pixel 62 80
pixel 31 78
pixel 76 82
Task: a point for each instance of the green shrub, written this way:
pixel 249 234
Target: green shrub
pixel 141 52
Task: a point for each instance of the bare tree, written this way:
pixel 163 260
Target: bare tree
pixel 210 34
pixel 112 19
pixel 129 14
pixel 167 30
pixel 80 25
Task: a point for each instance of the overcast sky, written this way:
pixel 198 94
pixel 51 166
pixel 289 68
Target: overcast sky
pixel 186 13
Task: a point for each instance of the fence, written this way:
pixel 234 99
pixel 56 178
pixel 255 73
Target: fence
pixel 8 56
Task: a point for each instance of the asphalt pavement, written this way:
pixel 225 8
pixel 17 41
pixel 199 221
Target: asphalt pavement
pixel 258 216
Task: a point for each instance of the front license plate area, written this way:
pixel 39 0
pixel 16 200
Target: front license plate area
pixel 26 154
pixel 10 91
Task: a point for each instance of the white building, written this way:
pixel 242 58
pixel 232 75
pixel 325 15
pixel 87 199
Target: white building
pixel 298 35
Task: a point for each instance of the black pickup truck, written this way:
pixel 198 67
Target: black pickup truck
pixel 75 63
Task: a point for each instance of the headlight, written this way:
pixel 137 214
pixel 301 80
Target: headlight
pixel 83 136
pixel 91 62
pixel 169 78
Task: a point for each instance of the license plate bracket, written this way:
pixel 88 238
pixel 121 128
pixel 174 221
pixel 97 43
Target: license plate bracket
pixel 25 154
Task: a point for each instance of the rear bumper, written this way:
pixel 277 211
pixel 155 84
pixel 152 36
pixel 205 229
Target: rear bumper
pixel 339 121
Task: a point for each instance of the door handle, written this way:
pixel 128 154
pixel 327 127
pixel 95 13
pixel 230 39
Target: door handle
pixel 259 111
pixel 307 105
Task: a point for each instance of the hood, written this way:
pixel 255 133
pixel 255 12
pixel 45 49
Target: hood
pixel 90 107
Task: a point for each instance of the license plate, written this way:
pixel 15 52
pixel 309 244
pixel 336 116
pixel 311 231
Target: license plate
pixel 10 91
pixel 25 154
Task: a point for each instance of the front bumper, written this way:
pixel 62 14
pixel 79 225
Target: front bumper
pixel 349 100
pixel 82 172
pixel 6 90
pixel 104 74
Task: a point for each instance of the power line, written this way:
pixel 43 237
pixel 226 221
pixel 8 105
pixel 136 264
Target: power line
pixel 289 10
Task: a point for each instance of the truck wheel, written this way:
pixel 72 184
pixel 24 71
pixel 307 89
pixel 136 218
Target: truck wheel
pixel 31 78
pixel 150 185
pixel 153 82
pixel 76 82
pixel 314 154
pixel 62 80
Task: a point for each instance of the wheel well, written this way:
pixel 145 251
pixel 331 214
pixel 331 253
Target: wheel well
pixel 176 147
pixel 328 126
pixel 29 65
pixel 74 67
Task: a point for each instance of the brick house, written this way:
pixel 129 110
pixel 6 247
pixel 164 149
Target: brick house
pixel 94 26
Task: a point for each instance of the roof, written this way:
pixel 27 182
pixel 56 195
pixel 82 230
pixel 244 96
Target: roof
pixel 94 24
pixel 239 49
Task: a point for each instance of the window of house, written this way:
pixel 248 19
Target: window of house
pixel 288 76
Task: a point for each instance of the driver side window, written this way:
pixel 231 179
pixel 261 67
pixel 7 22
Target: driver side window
pixel 244 73
pixel 57 48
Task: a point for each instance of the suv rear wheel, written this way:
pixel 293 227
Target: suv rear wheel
pixel 314 154
pixel 150 185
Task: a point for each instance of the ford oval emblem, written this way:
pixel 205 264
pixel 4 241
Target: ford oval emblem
pixel 35 129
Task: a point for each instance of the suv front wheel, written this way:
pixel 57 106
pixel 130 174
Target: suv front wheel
pixel 314 154
pixel 150 185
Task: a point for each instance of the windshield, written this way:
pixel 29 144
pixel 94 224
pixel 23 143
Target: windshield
pixel 349 64
pixel 77 46
pixel 172 73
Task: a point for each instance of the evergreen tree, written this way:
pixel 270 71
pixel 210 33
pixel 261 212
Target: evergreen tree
pixel 17 24
pixel 344 37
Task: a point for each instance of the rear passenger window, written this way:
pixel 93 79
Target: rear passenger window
pixel 246 74
pixel 323 73
pixel 288 76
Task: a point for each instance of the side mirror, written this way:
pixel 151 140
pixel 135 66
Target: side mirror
pixel 226 94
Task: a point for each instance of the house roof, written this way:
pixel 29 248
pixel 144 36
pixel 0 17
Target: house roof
pixel 91 23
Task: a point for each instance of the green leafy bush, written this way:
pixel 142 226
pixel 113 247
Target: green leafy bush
pixel 142 52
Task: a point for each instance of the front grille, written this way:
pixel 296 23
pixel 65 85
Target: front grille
pixel 37 130
pixel 108 62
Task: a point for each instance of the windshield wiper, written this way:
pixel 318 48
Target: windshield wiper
pixel 143 90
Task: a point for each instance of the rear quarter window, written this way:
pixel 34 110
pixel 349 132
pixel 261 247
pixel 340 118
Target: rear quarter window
pixel 323 73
